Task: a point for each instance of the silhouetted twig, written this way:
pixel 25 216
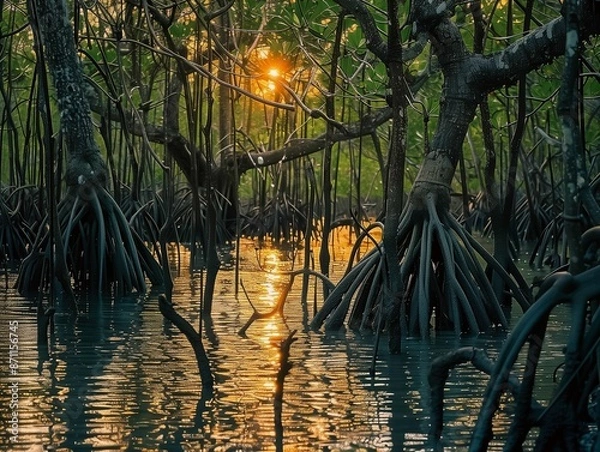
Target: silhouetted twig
pixel 278 308
pixel 168 311
pixel 284 368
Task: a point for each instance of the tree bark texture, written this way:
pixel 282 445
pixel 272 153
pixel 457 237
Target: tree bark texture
pixel 439 263
pixel 85 163
pixel 468 78
pixel 395 176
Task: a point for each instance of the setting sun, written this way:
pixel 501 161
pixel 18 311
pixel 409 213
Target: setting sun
pixel 270 70
pixel 274 72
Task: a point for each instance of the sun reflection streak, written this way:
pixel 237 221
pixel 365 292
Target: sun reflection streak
pixel 144 393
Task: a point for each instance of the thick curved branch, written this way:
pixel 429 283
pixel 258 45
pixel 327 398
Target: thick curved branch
pixel 502 68
pixel 469 77
pixel 297 148
pixel 210 15
pixel 181 149
pixel 535 49
pixel 375 42
pixel 440 371
pixel 532 51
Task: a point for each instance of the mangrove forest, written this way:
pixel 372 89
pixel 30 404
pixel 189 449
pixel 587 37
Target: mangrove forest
pixel 325 225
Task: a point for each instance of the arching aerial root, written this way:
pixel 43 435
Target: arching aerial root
pixel 100 250
pixel 440 274
pixel 439 373
pixel 559 421
pixel 195 339
pixel 283 297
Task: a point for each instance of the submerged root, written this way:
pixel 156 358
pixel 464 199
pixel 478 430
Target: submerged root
pixel 283 297
pixel 561 418
pixel 100 251
pixel 195 339
pixel 439 373
pixel 440 272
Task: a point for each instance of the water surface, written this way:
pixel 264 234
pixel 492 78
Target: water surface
pixel 120 377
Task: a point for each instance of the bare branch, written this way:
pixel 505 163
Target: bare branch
pixel 375 42
pixel 297 148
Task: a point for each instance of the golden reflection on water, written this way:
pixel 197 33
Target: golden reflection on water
pixel 124 378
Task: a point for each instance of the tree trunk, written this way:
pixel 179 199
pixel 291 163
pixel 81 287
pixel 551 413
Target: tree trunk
pixel 439 260
pixel 84 163
pixel 395 180
pixel 324 255
pixel 101 247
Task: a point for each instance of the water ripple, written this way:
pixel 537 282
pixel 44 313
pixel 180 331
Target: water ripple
pixel 123 378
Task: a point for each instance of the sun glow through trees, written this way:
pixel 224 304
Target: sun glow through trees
pixel 270 72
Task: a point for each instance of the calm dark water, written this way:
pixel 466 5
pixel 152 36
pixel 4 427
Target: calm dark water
pixel 120 377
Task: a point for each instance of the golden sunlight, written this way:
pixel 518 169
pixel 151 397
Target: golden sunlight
pixel 274 72
pixel 270 71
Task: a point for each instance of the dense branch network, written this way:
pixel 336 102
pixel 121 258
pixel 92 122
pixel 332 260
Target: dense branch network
pixel 439 269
